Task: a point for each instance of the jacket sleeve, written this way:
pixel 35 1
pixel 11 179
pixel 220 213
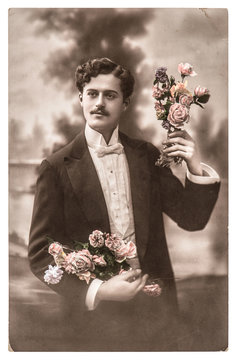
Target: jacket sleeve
pixel 48 220
pixel 189 205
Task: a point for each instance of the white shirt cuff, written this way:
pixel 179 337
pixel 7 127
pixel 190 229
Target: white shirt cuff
pixel 212 177
pixel 91 294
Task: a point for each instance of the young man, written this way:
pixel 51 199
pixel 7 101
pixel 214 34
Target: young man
pixel 106 181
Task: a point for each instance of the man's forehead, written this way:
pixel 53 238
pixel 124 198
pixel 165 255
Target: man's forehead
pixel 104 82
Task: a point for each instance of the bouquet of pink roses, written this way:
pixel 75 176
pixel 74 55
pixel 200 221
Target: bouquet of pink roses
pixel 173 102
pixel 102 257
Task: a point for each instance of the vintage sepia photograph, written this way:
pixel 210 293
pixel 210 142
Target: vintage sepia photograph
pixel 118 179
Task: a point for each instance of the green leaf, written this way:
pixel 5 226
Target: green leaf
pixel 79 245
pixel 155 82
pixel 50 240
pixel 167 105
pixel 204 99
pixel 172 80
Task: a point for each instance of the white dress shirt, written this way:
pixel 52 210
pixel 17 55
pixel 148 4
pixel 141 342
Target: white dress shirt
pixel 113 174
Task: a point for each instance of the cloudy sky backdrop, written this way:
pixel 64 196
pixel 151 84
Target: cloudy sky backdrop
pixel 46 45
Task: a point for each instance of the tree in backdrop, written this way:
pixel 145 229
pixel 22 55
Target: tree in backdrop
pixel 94 33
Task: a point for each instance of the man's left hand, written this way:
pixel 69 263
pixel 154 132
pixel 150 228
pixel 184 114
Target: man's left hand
pixel 183 145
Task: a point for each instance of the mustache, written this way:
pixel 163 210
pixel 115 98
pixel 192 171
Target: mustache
pixel 100 112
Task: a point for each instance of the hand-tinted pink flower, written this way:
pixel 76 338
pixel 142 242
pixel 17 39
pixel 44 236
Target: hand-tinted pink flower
pixel 172 90
pixel 53 275
pixel 55 249
pixel 87 276
pixel 181 88
pixel 156 92
pixel 178 114
pixel 96 239
pixel 121 253
pixel 185 99
pixel 113 242
pixel 201 91
pixel 131 250
pixel 152 290
pixel 186 69
pixel 99 260
pixel 79 261
pixel 126 251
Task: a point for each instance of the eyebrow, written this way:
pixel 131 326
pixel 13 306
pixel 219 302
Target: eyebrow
pixel 105 91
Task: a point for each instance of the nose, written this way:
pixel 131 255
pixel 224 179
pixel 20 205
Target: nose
pixel 100 101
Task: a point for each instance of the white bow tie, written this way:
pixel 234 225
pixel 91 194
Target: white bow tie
pixel 112 149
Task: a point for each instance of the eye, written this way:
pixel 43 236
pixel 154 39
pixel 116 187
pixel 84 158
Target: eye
pixel 92 94
pixel 110 96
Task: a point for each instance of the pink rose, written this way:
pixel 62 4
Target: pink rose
pixel 131 250
pixel 113 242
pixel 185 99
pixel 87 276
pixel 99 260
pixel 96 239
pixel 152 290
pixel 156 92
pixel 201 91
pixel 121 253
pixel 55 249
pixel 178 114
pixel 186 69
pixel 126 251
pixel 79 261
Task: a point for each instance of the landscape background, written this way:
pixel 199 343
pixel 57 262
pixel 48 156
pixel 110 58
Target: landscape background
pixel 45 47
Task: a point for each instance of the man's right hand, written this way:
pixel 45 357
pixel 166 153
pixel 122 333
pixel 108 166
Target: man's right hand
pixel 122 287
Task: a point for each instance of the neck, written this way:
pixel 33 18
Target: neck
pixel 107 136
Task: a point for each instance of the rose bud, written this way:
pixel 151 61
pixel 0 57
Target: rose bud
pixel 200 91
pixel 202 94
pixel 186 69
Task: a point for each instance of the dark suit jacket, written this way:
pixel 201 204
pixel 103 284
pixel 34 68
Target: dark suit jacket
pixel 69 205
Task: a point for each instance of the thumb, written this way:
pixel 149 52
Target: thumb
pixel 129 275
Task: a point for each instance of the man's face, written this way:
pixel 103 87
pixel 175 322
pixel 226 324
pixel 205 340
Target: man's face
pixel 102 103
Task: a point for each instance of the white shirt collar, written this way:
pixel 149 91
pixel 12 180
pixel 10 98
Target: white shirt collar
pixel 94 138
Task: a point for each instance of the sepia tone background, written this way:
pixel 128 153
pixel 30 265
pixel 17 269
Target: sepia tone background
pixel 45 47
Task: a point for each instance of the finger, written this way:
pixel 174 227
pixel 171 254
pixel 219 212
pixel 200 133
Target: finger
pixel 142 284
pixel 131 274
pixel 172 148
pixel 179 153
pixel 138 282
pixel 178 140
pixel 181 133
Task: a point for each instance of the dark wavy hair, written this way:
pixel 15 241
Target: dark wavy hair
pixel 94 67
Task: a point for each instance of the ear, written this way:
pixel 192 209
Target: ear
pixel 126 103
pixel 80 97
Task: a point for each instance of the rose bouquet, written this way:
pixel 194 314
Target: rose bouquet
pixel 103 256
pixel 173 102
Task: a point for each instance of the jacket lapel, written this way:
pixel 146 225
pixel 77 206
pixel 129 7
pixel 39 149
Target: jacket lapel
pixel 86 185
pixel 140 189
